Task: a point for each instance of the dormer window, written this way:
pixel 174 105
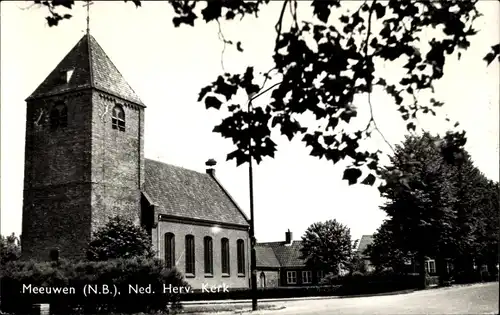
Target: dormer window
pixel 69 74
pixel 58 116
pixel 65 76
pixel 118 118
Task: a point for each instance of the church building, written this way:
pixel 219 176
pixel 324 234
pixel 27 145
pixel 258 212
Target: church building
pixel 84 163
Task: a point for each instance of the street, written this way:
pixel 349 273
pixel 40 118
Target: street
pixel 470 299
pixel 475 299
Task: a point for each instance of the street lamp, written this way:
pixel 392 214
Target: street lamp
pixel 253 258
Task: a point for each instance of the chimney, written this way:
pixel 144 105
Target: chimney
pixel 210 166
pixel 288 237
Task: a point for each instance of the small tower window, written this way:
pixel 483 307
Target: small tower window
pixel 58 116
pixel 69 74
pixel 118 118
pixel 65 76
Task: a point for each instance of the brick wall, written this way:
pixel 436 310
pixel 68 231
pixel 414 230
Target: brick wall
pixel 298 272
pixel 271 279
pixel 78 176
pixel 180 230
pixel 117 161
pixel 56 205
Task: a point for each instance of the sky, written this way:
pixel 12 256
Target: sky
pixel 168 66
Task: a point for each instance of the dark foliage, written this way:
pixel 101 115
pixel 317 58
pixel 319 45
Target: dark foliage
pixel 322 63
pixel 10 248
pixel 116 274
pixel 327 245
pixel 120 238
pixel 385 251
pixel 443 208
pixel 343 286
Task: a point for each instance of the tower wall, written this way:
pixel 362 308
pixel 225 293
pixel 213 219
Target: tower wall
pixel 79 175
pixel 57 194
pixel 117 161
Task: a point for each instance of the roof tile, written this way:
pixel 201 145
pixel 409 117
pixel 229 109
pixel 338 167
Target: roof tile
pixel 185 193
pixel 364 242
pixel 287 255
pixel 92 68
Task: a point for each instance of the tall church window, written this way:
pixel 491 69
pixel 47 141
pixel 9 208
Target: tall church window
pixel 118 118
pixel 190 258
pixel 169 250
pixel 209 256
pixel 240 246
pixel 58 116
pixel 225 256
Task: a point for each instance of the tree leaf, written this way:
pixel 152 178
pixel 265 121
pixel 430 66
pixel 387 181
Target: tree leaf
pixel 212 101
pixel 238 46
pixel 351 175
pixel 379 10
pixel 369 180
pixel 410 126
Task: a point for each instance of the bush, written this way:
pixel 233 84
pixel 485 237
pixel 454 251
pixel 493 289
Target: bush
pixel 337 286
pixel 330 279
pixel 115 275
pixel 120 238
pixel 10 248
pixel 357 274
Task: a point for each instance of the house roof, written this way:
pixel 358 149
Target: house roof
pixel 181 192
pixel 266 257
pixel 91 68
pixel 364 242
pixel 287 255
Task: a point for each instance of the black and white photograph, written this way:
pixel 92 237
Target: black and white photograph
pixel 287 157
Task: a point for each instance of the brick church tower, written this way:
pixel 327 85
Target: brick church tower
pixel 84 157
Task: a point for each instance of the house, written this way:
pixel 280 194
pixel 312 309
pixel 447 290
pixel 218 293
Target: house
pixel 410 266
pixel 362 246
pixel 279 264
pixel 84 163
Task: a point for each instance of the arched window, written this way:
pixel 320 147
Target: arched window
pixel 118 118
pixel 58 116
pixel 169 250
pixel 190 258
pixel 262 280
pixel 240 246
pixel 225 256
pixel 209 257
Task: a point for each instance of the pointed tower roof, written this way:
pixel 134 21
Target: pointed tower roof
pixel 86 66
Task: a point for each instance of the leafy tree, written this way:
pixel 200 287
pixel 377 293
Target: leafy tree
pixel 385 252
pixel 357 264
pixel 120 238
pixel 327 245
pixel 322 63
pixel 10 248
pixel 488 229
pixel 471 190
pixel 422 205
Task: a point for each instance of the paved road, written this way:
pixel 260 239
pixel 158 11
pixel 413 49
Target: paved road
pixel 474 299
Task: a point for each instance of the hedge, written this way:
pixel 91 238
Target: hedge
pixel 117 275
pixel 341 286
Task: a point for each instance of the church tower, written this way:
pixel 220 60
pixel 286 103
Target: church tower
pixel 84 156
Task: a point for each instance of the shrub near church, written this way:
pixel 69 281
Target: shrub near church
pixel 140 282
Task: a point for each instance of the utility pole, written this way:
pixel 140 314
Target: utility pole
pixel 253 258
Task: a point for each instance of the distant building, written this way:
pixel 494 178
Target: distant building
pixel 410 266
pixel 279 264
pixel 84 163
pixel 363 245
